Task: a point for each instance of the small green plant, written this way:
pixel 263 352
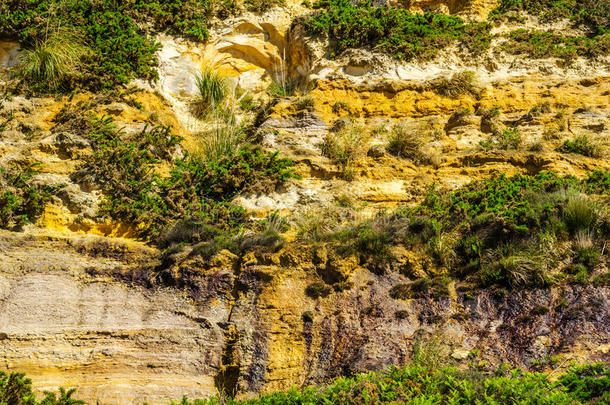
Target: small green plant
pixel 16 389
pixel 583 145
pixel 509 139
pixel 346 147
pixel 21 199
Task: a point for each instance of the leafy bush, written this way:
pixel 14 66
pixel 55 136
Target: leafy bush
pixel 498 231
pixel 595 14
pixel 124 167
pixel 120 50
pixel 541 44
pixel 598 182
pixel 116 32
pixel 587 383
pixel 16 389
pixel 21 200
pixel 357 24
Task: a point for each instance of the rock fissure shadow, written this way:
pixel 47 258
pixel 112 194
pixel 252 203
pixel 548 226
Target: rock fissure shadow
pixel 229 370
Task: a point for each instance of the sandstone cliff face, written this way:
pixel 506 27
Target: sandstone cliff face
pixel 82 304
pixel 119 344
pixel 82 312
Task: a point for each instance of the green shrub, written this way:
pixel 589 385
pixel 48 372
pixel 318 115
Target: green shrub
pixel 583 145
pixel 427 384
pixel 21 200
pixel 120 50
pixel 116 32
pixel 124 167
pixel 598 182
pixel 595 14
pixel 357 24
pixel 16 389
pixel 587 383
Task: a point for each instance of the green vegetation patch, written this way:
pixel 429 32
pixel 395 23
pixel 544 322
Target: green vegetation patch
pixel 114 33
pixel 125 167
pixel 592 15
pixel 393 30
pixel 541 44
pixel 503 231
pixel 446 385
pixel 16 389
pixel 595 14
pixel 21 199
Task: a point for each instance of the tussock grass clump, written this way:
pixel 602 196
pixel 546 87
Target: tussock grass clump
pixel 305 103
pixel 514 270
pixel 51 61
pixel 459 84
pixel 346 147
pixel 224 140
pixel 213 91
pixel 580 213
pixel 408 143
